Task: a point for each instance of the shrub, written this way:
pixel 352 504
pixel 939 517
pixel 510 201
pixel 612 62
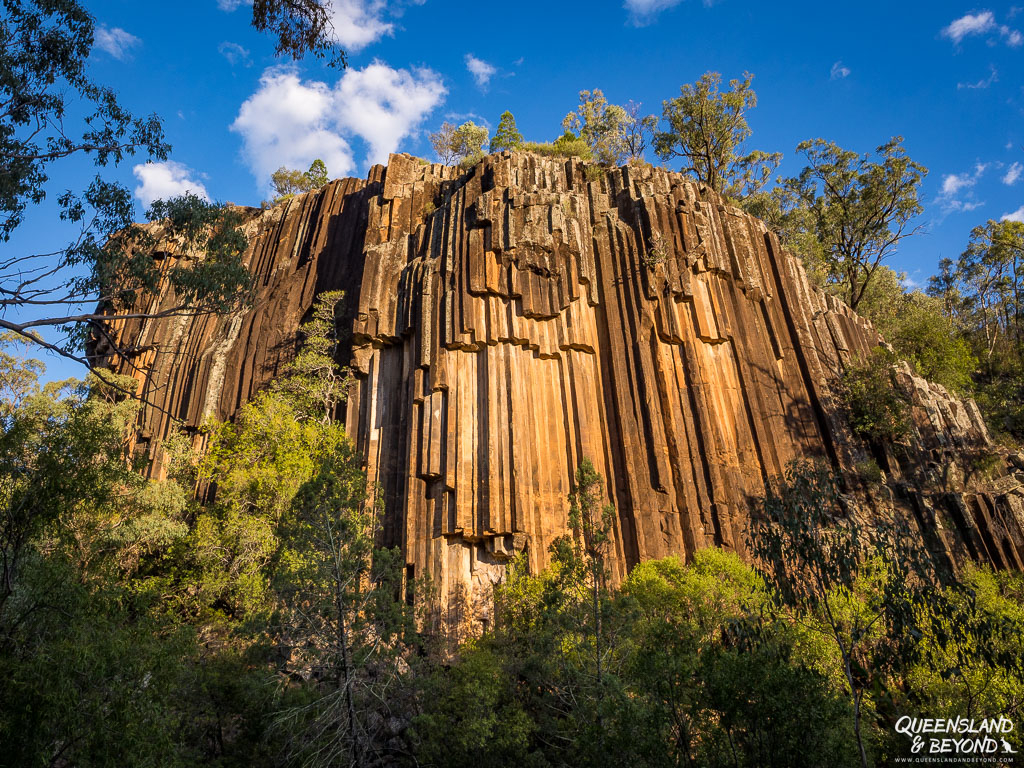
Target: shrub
pixel 656 252
pixel 567 145
pixel 877 411
pixel 869 471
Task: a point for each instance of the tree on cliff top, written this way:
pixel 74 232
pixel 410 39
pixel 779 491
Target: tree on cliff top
pixel 612 133
pixel 601 125
pixel 859 209
pixel 507 136
pixel 289 182
pixel 465 143
pixel 707 129
pixel 108 262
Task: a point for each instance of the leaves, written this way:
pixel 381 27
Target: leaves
pixel 859 209
pixel 876 409
pixel 288 182
pixel 464 143
pixel 506 136
pixel 707 129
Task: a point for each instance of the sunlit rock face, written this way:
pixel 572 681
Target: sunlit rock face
pixel 509 321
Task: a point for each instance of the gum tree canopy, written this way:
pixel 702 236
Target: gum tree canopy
pixel 52 111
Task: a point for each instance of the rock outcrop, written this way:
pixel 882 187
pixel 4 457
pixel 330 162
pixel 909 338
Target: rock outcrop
pixel 508 321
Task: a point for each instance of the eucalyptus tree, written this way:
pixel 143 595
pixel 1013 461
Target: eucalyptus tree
pixel 707 129
pixel 107 263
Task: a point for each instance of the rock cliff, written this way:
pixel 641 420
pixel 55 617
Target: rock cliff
pixel 508 321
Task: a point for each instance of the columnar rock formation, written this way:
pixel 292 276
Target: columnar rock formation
pixel 508 321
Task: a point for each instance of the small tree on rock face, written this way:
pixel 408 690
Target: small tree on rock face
pixel 593 522
pixel 470 140
pixel 317 176
pixel 444 143
pixel 601 125
pixel 507 136
pixel 340 616
pixel 313 379
pixel 707 130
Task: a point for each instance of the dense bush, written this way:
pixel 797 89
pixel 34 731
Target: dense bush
pixel 876 409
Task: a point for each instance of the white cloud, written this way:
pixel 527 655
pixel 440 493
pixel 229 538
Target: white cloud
pixel 116 41
pixel 953 183
pixel 357 23
pixel 970 24
pixel 957 193
pixel 382 105
pixel 839 71
pixel 643 11
pixel 165 179
pixel 1013 173
pixel 911 283
pixel 1017 215
pixel 292 122
pixel 983 83
pixel 481 70
pixel 459 117
pixel 288 122
pixel 982 23
pixel 235 54
pixel 230 5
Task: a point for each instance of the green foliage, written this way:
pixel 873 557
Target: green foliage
pixel 656 252
pixel 53 112
pixel 601 126
pixel 914 324
pixel 566 145
pixel 612 133
pixel 876 409
pixel 267 626
pixel 869 471
pixel 980 293
pixel 300 27
pixel 258 464
pixel 781 212
pixel 707 130
pixel 859 209
pixel 463 144
pixel 341 616
pixel 472 717
pixel 313 380
pixel 691 676
pixel 970 660
pixel 862 585
pixel 506 135
pixel 46 47
pixel 878 616
pixel 90 676
pixel 289 182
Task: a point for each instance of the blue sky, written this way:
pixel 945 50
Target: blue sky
pixel 948 76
